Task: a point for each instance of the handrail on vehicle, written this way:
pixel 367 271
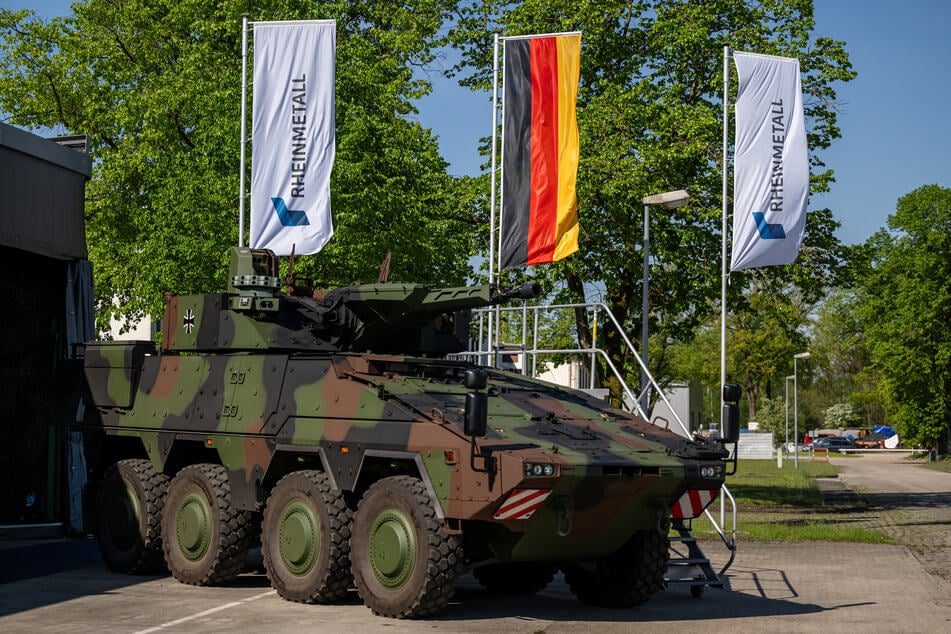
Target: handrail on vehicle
pixel 632 402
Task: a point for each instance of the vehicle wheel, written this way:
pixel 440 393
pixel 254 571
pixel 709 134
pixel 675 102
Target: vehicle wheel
pixel 306 539
pixel 129 525
pixel 516 577
pixel 206 538
pixel 625 578
pixel 404 562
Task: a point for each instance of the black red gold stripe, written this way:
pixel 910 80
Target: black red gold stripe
pixel 540 150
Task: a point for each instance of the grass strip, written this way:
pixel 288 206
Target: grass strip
pixel 787 505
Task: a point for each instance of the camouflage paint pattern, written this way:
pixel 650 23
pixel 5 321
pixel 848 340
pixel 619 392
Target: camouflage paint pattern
pixel 264 384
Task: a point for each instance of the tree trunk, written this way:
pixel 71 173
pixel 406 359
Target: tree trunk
pixel 751 389
pixel 576 287
pixel 614 346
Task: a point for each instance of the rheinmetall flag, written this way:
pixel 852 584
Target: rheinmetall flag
pixel 539 149
pixel 771 162
pixel 292 135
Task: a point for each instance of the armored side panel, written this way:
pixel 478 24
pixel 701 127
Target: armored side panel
pixel 113 369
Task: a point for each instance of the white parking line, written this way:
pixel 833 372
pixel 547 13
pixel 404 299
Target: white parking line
pixel 206 613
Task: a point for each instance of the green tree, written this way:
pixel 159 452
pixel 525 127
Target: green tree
pixel 838 346
pixel 650 119
pixel 771 416
pixel 906 309
pixel 768 322
pixel 842 415
pixel 762 339
pixel 156 84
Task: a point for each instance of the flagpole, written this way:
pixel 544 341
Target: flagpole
pixel 495 127
pixel 535 36
pixel 495 121
pixel 244 126
pixel 496 357
pixel 723 254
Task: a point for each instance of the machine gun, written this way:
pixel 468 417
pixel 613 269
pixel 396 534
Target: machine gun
pixel 386 318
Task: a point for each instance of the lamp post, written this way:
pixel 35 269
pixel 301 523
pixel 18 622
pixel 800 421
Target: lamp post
pixel 668 200
pixel 788 378
pixel 796 357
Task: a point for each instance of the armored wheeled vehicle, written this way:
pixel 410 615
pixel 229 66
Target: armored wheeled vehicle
pixel 334 427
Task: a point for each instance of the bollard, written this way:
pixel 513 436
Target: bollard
pixel 779 458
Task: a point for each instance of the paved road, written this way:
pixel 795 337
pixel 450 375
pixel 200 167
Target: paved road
pixel 771 587
pixel 907 501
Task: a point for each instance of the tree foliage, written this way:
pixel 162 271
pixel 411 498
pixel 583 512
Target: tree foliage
pixel 650 119
pixel 772 417
pixel 839 351
pixel 906 309
pixel 156 84
pixel 842 415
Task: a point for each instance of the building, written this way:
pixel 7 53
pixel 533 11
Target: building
pixel 46 314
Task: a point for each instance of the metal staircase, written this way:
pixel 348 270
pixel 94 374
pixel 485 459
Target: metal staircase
pixel 692 568
pixel 687 563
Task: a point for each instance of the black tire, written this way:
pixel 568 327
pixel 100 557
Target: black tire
pixel 206 538
pixel 626 578
pixel 404 561
pixel 516 577
pixel 129 521
pixel 305 539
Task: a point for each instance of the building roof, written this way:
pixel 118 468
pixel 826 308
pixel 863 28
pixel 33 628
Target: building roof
pixel 42 195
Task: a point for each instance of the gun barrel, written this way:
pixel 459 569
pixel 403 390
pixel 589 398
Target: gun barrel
pixel 526 291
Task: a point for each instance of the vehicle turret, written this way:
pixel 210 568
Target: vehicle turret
pixel 392 317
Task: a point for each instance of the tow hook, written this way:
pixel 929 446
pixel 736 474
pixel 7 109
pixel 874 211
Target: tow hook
pixel 663 517
pixel 563 515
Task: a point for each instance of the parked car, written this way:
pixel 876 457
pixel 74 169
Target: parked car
pixel 832 443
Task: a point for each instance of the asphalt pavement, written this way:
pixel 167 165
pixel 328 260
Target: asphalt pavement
pixel 774 587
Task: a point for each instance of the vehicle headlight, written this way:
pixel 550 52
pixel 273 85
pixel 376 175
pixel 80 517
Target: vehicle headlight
pixel 711 472
pixel 539 470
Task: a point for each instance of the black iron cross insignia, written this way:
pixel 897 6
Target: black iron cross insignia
pixel 189 321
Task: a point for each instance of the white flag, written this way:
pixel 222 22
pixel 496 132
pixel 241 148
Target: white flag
pixel 771 162
pixel 292 135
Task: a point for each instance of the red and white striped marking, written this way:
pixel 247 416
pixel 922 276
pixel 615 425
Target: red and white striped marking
pixel 521 504
pixel 692 503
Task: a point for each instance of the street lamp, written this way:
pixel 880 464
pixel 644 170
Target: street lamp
pixel 667 200
pixel 796 357
pixel 788 378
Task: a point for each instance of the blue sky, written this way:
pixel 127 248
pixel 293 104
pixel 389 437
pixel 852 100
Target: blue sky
pixel 896 129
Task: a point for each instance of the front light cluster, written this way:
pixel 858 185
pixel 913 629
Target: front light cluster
pixel 539 470
pixel 711 472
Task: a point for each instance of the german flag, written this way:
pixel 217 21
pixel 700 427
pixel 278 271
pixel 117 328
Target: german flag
pixel 539 149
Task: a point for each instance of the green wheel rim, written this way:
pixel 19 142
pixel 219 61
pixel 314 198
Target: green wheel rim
pixel 299 538
pixel 124 518
pixel 392 548
pixel 193 526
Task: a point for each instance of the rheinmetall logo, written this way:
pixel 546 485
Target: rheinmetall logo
pixel 289 217
pixel 767 230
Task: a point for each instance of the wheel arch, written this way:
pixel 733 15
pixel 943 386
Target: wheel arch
pixel 373 465
pixel 376 464
pixel 184 451
pixel 290 458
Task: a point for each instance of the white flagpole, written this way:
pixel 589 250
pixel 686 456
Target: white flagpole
pixel 723 265
pixel 244 126
pixel 495 121
pixel 493 314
